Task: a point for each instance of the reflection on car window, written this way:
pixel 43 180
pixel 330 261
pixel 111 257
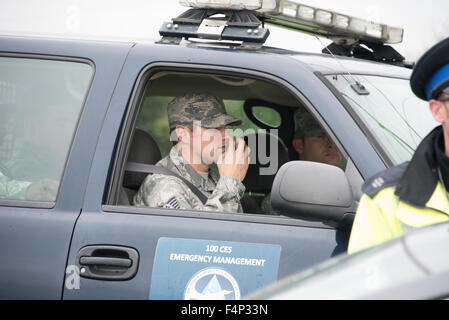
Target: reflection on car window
pixel 388 107
pixel 40 101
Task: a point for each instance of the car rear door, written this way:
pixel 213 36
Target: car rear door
pixel 125 252
pixel 53 95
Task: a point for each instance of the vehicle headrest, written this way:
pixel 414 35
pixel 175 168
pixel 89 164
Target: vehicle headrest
pixel 262 145
pixel 144 149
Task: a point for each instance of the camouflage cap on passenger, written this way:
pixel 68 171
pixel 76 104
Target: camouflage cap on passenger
pixel 306 124
pixel 207 108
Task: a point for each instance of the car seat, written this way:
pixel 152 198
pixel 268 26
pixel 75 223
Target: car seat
pixel 259 185
pixel 144 149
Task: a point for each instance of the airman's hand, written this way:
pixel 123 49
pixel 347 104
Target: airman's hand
pixel 234 161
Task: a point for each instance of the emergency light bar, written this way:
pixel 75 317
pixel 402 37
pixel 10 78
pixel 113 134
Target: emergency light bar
pixel 308 19
pixel 243 20
pixel 259 5
pixel 292 14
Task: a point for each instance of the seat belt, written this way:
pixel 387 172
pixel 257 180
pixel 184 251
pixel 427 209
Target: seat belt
pixel 149 168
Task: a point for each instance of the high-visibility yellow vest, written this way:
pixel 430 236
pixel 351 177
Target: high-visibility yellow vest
pixel 401 198
pixel 385 217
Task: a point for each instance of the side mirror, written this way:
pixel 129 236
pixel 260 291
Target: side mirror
pixel 312 191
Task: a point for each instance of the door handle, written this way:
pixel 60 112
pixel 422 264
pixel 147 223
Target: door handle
pixel 107 262
pixel 112 262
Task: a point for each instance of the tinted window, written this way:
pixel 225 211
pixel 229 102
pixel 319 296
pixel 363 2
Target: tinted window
pixel 40 101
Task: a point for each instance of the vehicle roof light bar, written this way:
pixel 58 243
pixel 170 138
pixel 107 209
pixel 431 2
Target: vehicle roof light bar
pixel 351 36
pixel 330 24
pixel 259 5
pixel 306 18
pixel 242 20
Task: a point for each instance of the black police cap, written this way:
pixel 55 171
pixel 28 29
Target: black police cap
pixel 431 74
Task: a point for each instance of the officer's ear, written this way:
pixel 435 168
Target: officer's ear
pixel 298 145
pixel 438 110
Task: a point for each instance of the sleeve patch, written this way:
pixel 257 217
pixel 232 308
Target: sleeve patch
pixel 385 179
pixel 172 204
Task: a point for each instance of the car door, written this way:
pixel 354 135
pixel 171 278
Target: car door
pixel 125 252
pixel 52 97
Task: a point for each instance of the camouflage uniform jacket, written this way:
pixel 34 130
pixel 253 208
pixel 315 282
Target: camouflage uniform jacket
pixel 12 189
pixel 223 193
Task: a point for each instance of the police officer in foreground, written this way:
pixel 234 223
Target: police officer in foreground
pixel 198 123
pixel 413 194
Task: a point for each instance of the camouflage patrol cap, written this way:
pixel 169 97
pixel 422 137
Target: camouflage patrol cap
pixel 306 124
pixel 207 108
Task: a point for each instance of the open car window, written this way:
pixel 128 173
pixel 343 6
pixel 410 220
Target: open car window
pixel 265 109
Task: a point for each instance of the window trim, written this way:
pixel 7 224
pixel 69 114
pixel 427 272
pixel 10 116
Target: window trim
pixel 115 178
pixel 52 204
pixel 220 216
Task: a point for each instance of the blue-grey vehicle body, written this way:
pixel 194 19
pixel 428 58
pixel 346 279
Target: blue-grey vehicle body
pixel 39 241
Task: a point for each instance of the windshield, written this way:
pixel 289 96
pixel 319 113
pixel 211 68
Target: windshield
pixel 387 106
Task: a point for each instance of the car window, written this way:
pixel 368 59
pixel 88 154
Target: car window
pixel 398 119
pixel 151 141
pixel 40 102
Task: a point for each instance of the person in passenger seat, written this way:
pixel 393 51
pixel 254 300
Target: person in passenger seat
pixel 197 122
pixel 312 144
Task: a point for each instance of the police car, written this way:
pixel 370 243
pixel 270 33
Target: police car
pixel 83 122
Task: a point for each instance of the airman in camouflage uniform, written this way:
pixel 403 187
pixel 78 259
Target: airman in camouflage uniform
pixel 223 192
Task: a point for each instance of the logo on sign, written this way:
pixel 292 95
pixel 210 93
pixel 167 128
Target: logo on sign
pixel 212 284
